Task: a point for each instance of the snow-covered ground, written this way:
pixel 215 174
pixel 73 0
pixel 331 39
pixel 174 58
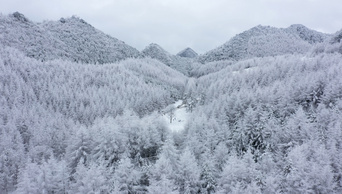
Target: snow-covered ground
pixel 179 119
pixel 250 69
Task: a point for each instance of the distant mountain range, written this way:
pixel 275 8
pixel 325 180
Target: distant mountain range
pixel 177 62
pixel 75 40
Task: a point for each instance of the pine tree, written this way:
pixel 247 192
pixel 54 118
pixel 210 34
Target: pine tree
pixel 89 179
pixel 11 155
pixel 164 171
pixel 79 149
pixel 310 170
pixel 239 172
pixel 28 180
pixel 208 176
pixel 126 177
pixel 188 177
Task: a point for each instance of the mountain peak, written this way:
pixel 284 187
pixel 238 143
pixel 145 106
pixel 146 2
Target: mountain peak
pixel 188 53
pixel 73 19
pixel 298 26
pixel 20 17
pixel 155 51
pixel 155 46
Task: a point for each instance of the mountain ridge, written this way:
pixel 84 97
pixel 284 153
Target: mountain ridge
pixel 265 41
pixel 76 40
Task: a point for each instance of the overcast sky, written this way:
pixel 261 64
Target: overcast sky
pixel 176 24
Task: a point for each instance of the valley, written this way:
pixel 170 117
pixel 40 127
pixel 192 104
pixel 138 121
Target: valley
pixel 83 112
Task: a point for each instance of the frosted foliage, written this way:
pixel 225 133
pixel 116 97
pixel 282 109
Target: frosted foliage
pixel 49 177
pixel 189 173
pixel 163 185
pixel 127 177
pixel 91 179
pixel 310 170
pixel 239 173
pixel 263 116
pixel 276 44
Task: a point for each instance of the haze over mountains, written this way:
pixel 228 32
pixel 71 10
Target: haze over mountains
pixel 83 112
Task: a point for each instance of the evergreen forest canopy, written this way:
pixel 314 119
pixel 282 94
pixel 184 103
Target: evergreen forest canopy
pixel 82 112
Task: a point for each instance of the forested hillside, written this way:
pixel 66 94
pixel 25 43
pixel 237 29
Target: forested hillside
pixel 263 41
pixel 49 108
pixel 264 123
pixel 69 39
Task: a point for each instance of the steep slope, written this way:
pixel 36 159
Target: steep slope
pixel 180 64
pixel 188 53
pixel 308 35
pixel 69 39
pixel 262 41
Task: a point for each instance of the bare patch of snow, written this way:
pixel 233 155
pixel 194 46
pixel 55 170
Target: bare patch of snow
pixel 179 118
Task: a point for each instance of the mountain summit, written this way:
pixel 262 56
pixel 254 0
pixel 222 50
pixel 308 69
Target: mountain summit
pixel 188 53
pixel 157 52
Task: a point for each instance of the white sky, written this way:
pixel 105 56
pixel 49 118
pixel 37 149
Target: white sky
pixel 177 24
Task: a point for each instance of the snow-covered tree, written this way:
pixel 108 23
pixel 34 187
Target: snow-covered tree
pixel 126 178
pixel 188 178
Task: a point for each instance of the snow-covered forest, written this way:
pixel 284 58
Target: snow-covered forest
pixel 82 112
